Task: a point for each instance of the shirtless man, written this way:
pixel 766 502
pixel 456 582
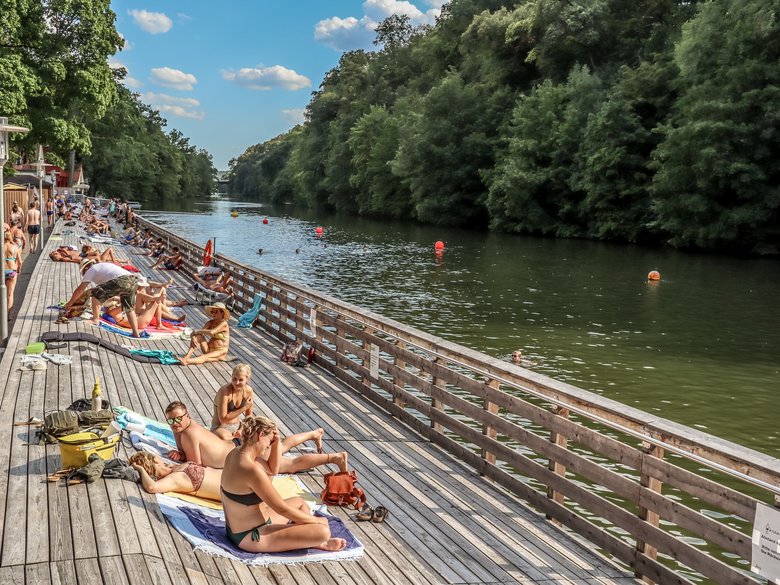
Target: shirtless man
pixel 50 211
pixel 34 225
pixel 194 442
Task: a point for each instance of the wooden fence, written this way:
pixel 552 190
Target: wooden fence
pixel 641 488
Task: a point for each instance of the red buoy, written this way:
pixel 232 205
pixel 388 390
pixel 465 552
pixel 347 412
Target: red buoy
pixel 654 275
pixel 318 230
pixel 265 221
pixel 438 245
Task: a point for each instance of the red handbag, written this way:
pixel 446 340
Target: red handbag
pixel 340 490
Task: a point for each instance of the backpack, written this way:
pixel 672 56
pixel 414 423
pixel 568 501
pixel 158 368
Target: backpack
pixel 340 490
pixel 58 424
pixel 295 354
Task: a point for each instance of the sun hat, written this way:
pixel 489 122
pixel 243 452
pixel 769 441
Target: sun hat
pixel 86 263
pixel 219 307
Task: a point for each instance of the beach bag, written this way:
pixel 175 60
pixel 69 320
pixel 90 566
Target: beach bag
pixel 58 424
pixel 295 354
pixel 340 490
pixel 95 418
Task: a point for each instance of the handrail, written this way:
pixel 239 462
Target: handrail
pixel 346 338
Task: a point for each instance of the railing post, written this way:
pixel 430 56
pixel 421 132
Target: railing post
pixel 487 430
pixel 401 365
pixel 554 466
pixel 648 516
pixel 437 404
pixel 339 341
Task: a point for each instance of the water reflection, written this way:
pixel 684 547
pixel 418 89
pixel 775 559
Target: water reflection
pixel 700 347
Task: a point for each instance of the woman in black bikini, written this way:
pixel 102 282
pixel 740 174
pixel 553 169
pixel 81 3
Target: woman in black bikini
pixel 159 477
pixel 257 519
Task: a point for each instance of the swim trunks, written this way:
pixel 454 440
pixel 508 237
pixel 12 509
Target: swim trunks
pixel 33 229
pixel 124 286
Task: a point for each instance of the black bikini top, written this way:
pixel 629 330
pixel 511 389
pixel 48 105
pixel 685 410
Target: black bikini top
pixel 232 405
pixel 250 499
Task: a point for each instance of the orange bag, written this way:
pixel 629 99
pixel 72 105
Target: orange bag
pixel 340 490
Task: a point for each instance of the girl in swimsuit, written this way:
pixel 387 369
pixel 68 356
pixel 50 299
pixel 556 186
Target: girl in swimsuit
pixel 185 478
pixel 232 401
pixel 257 519
pixel 213 340
pixel 12 263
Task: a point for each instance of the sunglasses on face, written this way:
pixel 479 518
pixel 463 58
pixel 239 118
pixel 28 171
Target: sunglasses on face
pixel 176 419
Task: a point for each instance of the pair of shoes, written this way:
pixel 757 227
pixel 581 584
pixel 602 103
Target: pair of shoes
pixel 377 515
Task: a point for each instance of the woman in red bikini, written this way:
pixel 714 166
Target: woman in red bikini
pixel 158 477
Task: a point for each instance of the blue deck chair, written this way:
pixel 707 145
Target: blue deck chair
pixel 249 317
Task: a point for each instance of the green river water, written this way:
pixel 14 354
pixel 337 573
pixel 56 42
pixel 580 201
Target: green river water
pixel 700 347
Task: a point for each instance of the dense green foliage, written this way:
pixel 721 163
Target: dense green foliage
pixel 56 80
pixel 133 157
pixel 650 121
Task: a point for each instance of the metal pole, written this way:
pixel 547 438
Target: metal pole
pixel 3 290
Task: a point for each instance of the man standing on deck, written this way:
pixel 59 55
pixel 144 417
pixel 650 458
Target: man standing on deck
pixel 110 280
pixel 34 225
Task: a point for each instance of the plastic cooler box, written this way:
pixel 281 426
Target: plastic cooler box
pixel 75 449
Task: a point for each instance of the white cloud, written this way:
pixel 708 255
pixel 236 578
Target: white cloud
pixel 344 34
pixel 173 78
pixel 183 16
pixel 266 78
pixel 176 106
pixel 352 32
pixel 152 22
pixel 294 116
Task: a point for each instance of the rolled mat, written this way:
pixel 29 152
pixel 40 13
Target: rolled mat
pixel 58 336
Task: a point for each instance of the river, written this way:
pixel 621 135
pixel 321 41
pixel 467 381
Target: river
pixel 700 347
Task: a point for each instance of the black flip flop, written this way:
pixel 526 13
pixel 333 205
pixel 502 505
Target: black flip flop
pixel 366 513
pixel 380 514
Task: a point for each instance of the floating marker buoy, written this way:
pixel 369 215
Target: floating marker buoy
pixel 653 275
pixel 234 214
pixel 318 230
pixel 438 245
pixel 265 221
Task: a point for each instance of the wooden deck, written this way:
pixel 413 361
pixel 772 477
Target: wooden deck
pixel 446 524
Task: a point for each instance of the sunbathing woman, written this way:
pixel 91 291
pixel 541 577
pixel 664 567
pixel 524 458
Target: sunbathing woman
pixel 257 519
pixel 66 254
pixel 213 340
pixel 144 296
pixel 185 478
pixel 106 255
pixel 151 313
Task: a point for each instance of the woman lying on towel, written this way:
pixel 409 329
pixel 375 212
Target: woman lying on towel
pixel 185 478
pixel 151 314
pixel 257 519
pixel 71 254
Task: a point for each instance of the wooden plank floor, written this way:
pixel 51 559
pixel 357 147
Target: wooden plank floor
pixel 446 524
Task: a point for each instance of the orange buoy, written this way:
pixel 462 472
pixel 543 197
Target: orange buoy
pixel 654 275
pixel 438 245
pixel 265 221
pixel 318 230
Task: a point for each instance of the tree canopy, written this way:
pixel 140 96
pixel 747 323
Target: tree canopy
pixel 653 121
pixel 55 79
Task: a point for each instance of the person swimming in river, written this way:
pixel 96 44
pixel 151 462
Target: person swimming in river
pixel 213 340
pixel 519 360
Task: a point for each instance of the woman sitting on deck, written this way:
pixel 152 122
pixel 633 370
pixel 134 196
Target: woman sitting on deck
pixel 213 340
pixel 185 478
pixel 257 519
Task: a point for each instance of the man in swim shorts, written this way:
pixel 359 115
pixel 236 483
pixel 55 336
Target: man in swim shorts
pixel 34 225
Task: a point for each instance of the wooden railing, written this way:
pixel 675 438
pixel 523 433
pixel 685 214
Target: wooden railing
pixel 636 485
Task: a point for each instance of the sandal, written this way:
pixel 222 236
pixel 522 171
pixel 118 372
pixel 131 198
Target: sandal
pixel 380 514
pixel 366 513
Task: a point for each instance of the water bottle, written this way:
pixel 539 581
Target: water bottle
pixel 97 400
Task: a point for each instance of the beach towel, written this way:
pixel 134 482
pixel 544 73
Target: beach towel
pixel 205 529
pixel 163 355
pixel 153 428
pixel 249 317
pixel 149 332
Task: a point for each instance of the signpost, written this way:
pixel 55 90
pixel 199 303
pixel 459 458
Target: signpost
pixel 766 543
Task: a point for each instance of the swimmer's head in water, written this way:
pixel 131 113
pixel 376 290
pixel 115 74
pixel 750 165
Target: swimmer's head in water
pixel 517 356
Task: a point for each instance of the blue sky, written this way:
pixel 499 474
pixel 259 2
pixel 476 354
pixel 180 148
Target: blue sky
pixel 234 73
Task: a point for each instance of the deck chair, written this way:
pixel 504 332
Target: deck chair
pixel 205 296
pixel 247 319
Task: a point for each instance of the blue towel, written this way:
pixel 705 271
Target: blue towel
pixel 213 529
pixel 249 317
